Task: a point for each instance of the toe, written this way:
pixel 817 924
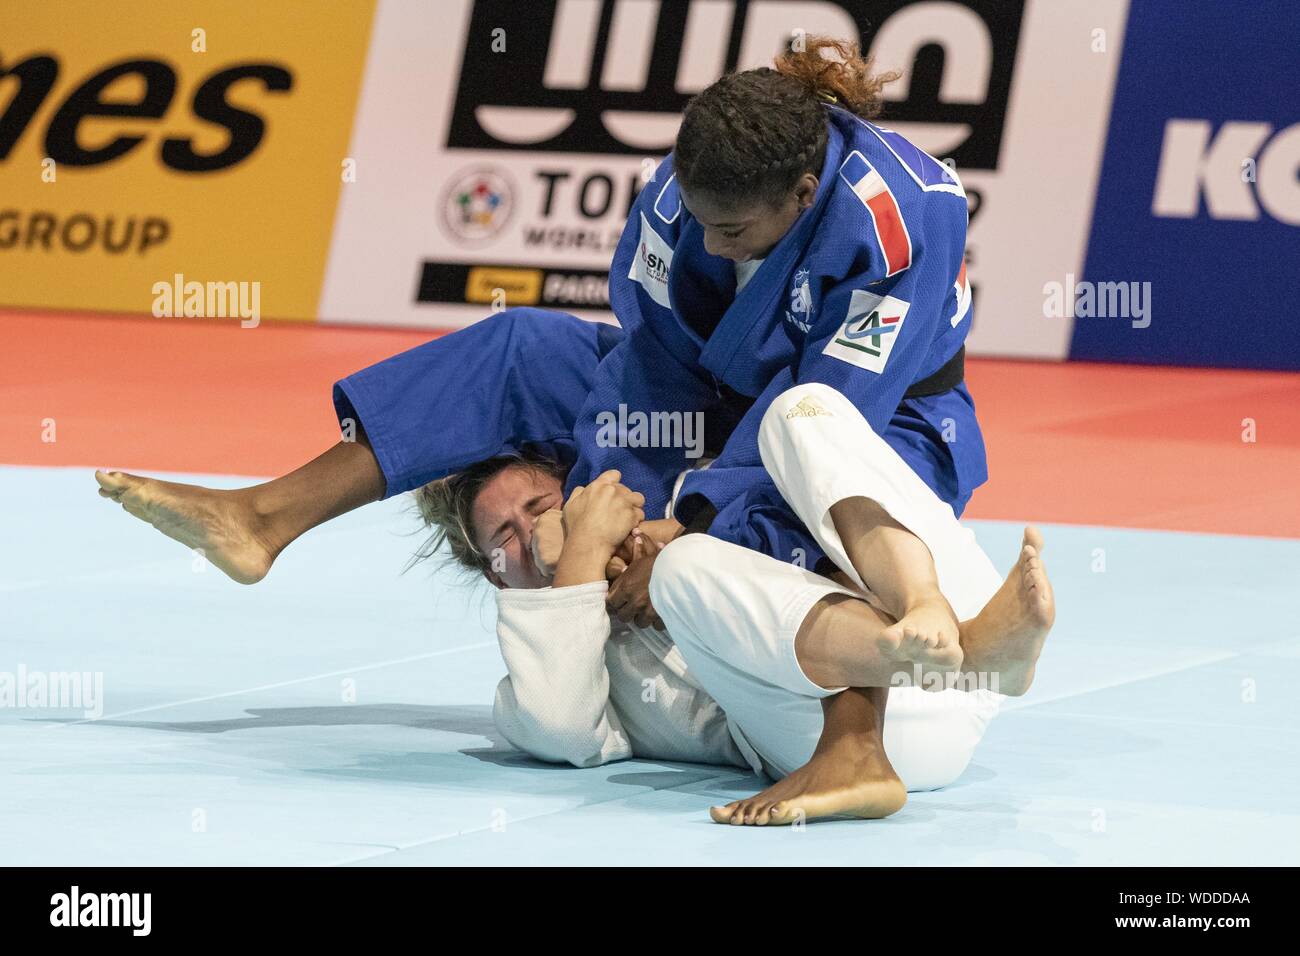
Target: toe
pixel 111 480
pixel 890 639
pixel 722 814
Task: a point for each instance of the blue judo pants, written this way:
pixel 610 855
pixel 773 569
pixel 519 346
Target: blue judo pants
pixel 516 379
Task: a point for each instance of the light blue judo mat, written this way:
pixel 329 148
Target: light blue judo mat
pixel 340 713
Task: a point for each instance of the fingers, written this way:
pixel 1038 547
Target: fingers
pixel 611 477
pixel 616 602
pixel 629 598
pixel 647 618
pixel 615 567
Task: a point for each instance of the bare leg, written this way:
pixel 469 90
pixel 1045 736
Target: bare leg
pixel 849 773
pixel 844 641
pixel 243 531
pixel 897 566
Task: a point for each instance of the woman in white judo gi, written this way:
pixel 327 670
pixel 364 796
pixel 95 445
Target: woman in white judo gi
pixel 752 645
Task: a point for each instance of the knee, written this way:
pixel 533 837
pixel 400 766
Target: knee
pixel 526 326
pixel 931 738
pixel 519 321
pixel 939 768
pixel 503 331
pixel 809 400
pixel 682 572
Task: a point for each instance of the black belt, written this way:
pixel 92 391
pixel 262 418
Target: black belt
pixel 701 512
pixel 951 374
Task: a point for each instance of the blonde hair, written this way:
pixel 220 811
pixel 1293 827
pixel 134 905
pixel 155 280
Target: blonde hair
pixel 447 506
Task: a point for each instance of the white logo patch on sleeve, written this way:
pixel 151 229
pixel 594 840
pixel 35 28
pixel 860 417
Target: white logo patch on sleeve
pixel 650 264
pixel 869 332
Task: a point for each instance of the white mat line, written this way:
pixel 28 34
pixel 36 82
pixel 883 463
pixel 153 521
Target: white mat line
pixel 286 683
pixel 1010 705
pixel 1134 719
pixel 730 773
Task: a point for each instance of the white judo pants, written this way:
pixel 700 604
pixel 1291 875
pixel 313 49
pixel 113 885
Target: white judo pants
pixel 734 613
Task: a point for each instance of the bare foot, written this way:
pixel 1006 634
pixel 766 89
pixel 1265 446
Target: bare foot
pixel 218 523
pixel 928 637
pixel 848 776
pixel 1003 642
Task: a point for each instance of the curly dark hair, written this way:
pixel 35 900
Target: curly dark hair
pixel 751 135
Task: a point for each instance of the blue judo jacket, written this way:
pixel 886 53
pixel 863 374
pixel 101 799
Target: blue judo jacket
pixel 866 292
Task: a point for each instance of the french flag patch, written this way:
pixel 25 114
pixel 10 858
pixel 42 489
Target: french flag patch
pixel 869 186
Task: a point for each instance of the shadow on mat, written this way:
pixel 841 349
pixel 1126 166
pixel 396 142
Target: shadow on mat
pixel 475 719
pixel 471 719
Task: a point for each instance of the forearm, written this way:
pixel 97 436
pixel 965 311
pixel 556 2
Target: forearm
pixel 582 561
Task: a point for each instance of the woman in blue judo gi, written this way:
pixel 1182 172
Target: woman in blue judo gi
pixel 788 240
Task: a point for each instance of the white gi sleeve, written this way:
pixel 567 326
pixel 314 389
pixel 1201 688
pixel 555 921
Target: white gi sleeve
pixel 554 704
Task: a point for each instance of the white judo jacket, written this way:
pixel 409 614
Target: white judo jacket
pixel 586 689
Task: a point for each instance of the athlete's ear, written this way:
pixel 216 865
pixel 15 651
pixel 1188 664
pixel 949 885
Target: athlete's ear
pixel 805 190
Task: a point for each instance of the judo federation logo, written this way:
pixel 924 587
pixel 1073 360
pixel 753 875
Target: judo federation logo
pixel 869 331
pixel 477 205
pixel 800 302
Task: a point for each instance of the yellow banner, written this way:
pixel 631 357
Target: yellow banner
pixel 153 152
